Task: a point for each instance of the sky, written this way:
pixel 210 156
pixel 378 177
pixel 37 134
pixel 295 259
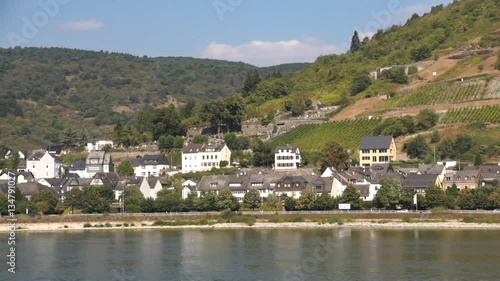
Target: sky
pixel 258 32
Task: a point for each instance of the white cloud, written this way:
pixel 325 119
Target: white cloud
pixel 82 25
pixel 265 53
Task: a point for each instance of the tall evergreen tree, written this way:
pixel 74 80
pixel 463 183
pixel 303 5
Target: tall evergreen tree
pixel 355 42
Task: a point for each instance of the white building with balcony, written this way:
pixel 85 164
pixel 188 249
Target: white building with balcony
pixel 287 158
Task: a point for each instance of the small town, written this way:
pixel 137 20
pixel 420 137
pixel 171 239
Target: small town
pixel 52 187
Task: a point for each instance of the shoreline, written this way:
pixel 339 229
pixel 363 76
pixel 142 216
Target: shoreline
pixel 78 226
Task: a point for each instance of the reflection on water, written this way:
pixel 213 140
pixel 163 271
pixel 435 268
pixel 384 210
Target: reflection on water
pixel 252 254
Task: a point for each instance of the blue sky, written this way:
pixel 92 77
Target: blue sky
pixel 259 32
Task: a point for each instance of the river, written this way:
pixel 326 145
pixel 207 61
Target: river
pixel 255 254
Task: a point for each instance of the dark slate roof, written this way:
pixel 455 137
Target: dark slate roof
pixel 53 181
pixel 152 181
pixel 197 147
pixel 22 164
pixel 419 180
pixel 430 169
pixel 110 179
pixel 55 148
pixel 378 142
pixel 30 188
pixel 155 159
pixel 36 155
pixel 78 165
pixel 135 162
pixel 381 168
pixel 293 148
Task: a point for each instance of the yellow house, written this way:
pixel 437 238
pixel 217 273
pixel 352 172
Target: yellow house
pixel 379 149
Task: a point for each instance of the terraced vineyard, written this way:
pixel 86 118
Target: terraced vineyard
pixel 493 91
pixel 438 94
pixel 347 133
pixel 485 114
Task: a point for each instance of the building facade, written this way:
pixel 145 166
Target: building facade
pixel 202 157
pixel 287 158
pixel 378 149
pixel 42 164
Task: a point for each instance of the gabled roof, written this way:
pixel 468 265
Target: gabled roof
pixel 293 148
pixel 30 188
pixel 430 169
pixel 363 189
pixel 155 159
pixel 378 142
pixel 55 148
pixel 420 180
pixel 135 162
pixel 197 147
pixel 36 155
pixel 78 165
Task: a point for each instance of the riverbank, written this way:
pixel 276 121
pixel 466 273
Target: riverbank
pixel 95 226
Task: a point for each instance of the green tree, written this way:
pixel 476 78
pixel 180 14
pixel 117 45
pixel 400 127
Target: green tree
pixel 73 199
pixel 251 81
pixel 148 205
pixel 426 119
pixel 446 149
pixel 134 199
pixel 494 199
pixel 45 201
pixel 451 195
pixel 334 155
pixel 262 154
pixel 481 196
pixel 462 145
pixel 290 204
pixel 465 200
pixel 92 202
pixel 231 141
pixel 478 160
pixel 421 53
pixel 223 164
pixel 417 148
pixel 307 200
pixel 395 75
pixel 435 137
pixel 360 83
pixel 226 201
pixel 70 138
pixel 355 42
pixel 207 202
pixel 200 139
pixel 351 196
pixel 169 201
pixel 178 142
pixel 324 202
pixel 167 121
pixel 166 142
pixel 434 197
pixel 107 193
pixel 252 199
pixel 392 194
pixel 273 200
pixel 125 168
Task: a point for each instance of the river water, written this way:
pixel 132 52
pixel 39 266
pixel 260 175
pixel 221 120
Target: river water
pixel 255 254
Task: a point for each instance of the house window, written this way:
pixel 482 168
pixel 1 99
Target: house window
pixel 374 159
pixel 365 151
pixel 374 151
pixel 367 158
pixel 383 151
pixel 383 159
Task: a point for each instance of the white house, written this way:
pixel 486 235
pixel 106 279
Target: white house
pixel 150 187
pixel 187 186
pixel 42 164
pixel 202 157
pixel 152 165
pixel 287 158
pixel 100 144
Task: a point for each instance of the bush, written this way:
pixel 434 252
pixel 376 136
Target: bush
pixel 87 225
pixel 125 224
pixel 297 219
pixel 468 219
pixel 406 219
pixel 65 226
pixel 118 225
